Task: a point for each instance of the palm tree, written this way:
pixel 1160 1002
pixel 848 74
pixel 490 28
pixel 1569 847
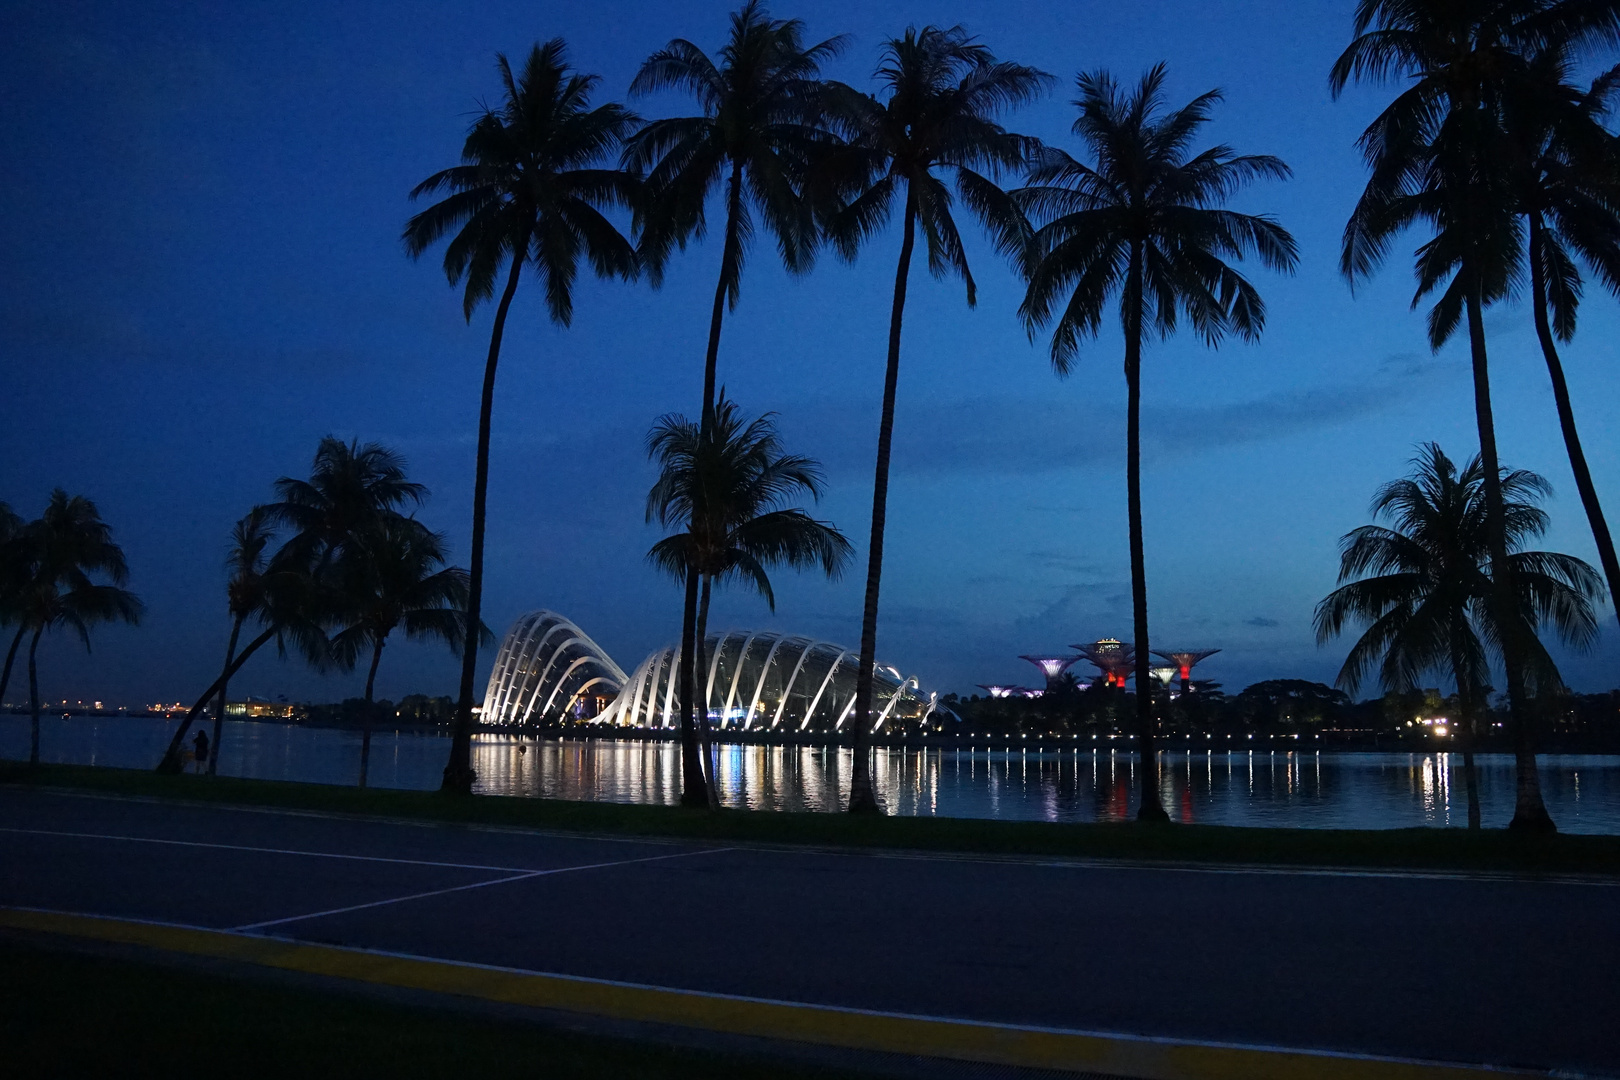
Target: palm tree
pixel 395 579
pixel 1435 156
pixel 1422 586
pixel 943 92
pixel 1566 179
pixel 246 562
pixel 67 547
pixel 725 488
pixel 760 130
pixel 296 607
pixel 13 571
pixel 1145 222
pixel 352 488
pixel 531 191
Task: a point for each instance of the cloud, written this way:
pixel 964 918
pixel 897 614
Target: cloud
pixel 991 435
pixel 1261 621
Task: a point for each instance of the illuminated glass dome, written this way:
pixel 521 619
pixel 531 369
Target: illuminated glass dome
pixel 548 669
pixel 764 681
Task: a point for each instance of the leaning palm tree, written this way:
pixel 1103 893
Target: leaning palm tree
pixel 1146 223
pixel 295 610
pixel 531 191
pixel 69 545
pixel 352 487
pixel 1435 157
pixel 943 90
pixel 1565 167
pixel 724 487
pixel 1422 588
pixel 760 131
pixel 246 563
pixel 395 579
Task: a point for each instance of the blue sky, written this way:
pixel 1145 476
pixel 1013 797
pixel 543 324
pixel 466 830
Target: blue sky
pixel 204 276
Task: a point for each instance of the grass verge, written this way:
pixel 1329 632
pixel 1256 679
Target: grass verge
pixel 1405 849
pixel 67 1014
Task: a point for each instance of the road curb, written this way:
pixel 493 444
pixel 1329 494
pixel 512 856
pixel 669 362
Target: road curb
pixel 1135 1057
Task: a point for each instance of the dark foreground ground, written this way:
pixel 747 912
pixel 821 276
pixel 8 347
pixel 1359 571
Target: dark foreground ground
pixel 1448 968
pixel 66 1014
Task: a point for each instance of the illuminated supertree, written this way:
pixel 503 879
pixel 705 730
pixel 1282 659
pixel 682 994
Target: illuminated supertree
pixel 1011 691
pixel 1116 660
pixel 1052 667
pixel 1185 662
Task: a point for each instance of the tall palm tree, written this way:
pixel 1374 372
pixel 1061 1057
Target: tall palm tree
pixel 1422 586
pixel 724 487
pixel 531 191
pixel 1565 169
pixel 69 546
pixel 395 579
pixel 14 562
pixel 246 562
pixel 943 91
pixel 759 132
pixel 1435 156
pixel 1146 223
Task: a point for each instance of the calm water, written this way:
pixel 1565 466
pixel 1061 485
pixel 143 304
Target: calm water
pixel 1305 790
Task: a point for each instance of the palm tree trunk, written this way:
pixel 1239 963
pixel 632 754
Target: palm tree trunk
pixel 458 773
pixel 365 719
pixel 171 757
pixel 224 697
pixel 694 791
pixel 729 253
pixel 1465 702
pixel 1529 812
pixel 1149 808
pixel 11 655
pixel 1566 420
pixel 700 689
pixel 862 799
pixel 33 696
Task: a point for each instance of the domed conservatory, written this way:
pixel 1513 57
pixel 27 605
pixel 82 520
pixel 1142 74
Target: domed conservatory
pixel 548 670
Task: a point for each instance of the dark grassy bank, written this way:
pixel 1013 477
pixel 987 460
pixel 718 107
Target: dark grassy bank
pixel 1433 849
pixel 70 1015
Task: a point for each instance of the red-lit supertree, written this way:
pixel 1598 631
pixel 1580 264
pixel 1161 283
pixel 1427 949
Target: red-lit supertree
pixel 1185 661
pixel 1116 660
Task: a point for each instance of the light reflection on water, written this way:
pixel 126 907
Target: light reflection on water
pixel 1303 790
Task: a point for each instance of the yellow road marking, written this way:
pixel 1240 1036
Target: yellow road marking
pixel 1001 1044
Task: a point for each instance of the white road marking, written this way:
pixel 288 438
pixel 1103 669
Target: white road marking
pixel 267 850
pixel 475 885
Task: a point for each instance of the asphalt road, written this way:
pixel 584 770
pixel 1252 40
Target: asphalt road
pixel 1444 968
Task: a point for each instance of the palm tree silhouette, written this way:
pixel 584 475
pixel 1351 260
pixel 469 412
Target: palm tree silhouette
pixel 394 578
pixel 530 191
pixel 1146 223
pixel 66 548
pixel 725 488
pixel 760 131
pixel 246 562
pixel 13 572
pixel 944 90
pixel 353 487
pixel 1421 586
pixel 1566 177
pixel 1436 156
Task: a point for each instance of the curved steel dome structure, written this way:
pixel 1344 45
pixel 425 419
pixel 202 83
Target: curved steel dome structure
pixel 761 680
pixel 547 669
